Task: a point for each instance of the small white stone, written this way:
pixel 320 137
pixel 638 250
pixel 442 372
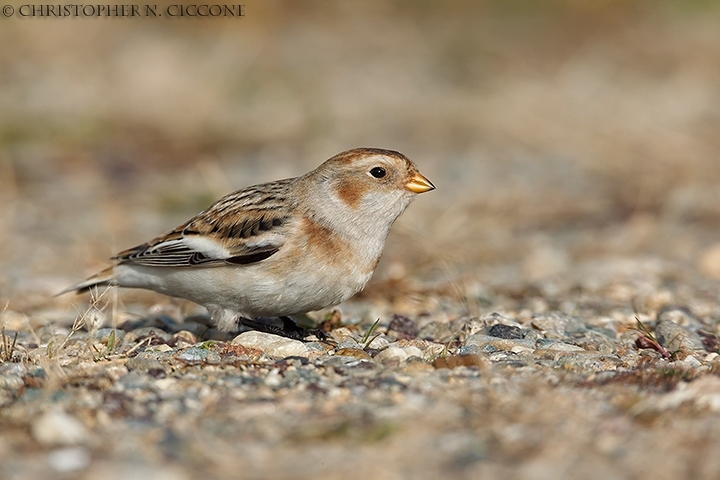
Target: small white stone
pixel 165 383
pixel 69 459
pixel 412 351
pixel 58 428
pixel 690 362
pixel 391 352
pixel 400 353
pixel 162 348
pixel 272 345
pixel 379 342
pixel 273 378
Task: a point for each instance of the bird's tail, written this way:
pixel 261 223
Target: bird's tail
pixel 100 279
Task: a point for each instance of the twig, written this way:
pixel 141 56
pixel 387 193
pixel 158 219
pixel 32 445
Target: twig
pixel 147 340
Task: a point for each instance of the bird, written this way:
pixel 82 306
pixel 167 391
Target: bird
pixel 281 248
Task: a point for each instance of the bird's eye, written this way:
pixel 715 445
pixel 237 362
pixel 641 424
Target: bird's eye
pixel 377 172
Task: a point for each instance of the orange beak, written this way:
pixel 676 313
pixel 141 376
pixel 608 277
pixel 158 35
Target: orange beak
pixel 419 184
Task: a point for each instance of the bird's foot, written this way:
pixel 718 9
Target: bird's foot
pixel 288 329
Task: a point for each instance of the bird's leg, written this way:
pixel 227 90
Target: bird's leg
pixel 289 325
pixel 289 328
pixel 261 326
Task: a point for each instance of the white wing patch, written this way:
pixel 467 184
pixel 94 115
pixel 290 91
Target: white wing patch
pixel 206 246
pixel 242 228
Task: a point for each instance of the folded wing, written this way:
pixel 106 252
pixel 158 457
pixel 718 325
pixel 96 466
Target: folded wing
pixel 242 228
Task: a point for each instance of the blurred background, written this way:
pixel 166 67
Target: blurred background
pixel 560 133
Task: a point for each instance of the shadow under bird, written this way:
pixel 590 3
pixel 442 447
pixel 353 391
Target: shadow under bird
pixel 280 248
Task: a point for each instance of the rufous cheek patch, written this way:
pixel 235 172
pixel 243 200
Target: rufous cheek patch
pixel 350 192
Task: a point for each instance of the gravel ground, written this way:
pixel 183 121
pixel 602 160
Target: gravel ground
pixel 551 311
pixel 523 391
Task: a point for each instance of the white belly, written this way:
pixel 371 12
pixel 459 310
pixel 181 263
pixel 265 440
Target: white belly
pixel 251 290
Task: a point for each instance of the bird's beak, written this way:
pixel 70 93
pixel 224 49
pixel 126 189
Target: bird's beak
pixel 419 184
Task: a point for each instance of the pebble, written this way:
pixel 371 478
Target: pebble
pixel 353 352
pixel 508 358
pixel 18 369
pixel 348 343
pixel 499 318
pixel 552 324
pixel 58 428
pixel 508 332
pixel 162 348
pixel 144 362
pixel 195 355
pixel 69 459
pixel 183 338
pixel 491 344
pixel 436 331
pixel 145 332
pixel 433 350
pixel 675 337
pixel 511 332
pixel 403 327
pixel 273 379
pixel 342 334
pixel 585 361
pixel 594 341
pixel 687 363
pixel 548 344
pixel 135 380
pixel 316 347
pixel 272 345
pixel 455 361
pixel 340 360
pixel 399 353
pixel 11 382
pixel 380 342
pixel 166 383
pixel 469 350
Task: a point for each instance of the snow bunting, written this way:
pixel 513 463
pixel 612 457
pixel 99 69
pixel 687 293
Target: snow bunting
pixel 280 248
